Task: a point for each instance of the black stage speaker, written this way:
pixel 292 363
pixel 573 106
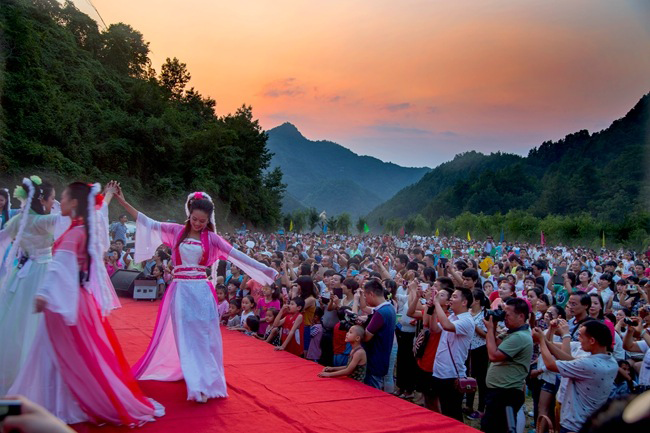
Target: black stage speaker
pixel 123 281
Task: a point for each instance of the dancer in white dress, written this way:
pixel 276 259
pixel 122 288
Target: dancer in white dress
pixel 187 340
pixel 28 237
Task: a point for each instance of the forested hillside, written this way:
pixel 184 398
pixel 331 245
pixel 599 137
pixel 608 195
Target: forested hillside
pixel 80 103
pixel 589 183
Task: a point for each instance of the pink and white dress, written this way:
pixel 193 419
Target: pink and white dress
pixel 76 368
pixel 186 342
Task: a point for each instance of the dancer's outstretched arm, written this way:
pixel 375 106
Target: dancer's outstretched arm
pixel 119 194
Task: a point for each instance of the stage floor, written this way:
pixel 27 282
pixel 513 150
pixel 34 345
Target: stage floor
pixel 268 392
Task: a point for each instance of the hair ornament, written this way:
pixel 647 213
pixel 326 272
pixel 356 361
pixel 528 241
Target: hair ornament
pixel 99 200
pixel 20 193
pixel 200 195
pixel 36 180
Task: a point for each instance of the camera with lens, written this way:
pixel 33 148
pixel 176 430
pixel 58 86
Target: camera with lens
pixel 497 315
pixel 348 320
pixel 630 322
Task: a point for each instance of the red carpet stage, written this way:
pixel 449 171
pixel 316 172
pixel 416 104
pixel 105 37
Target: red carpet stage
pixel 268 392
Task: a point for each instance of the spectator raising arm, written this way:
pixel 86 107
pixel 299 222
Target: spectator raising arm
pixel 547 356
pixel 629 343
pixel 442 318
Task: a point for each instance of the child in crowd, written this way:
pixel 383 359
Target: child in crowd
pixel 357 361
pixel 624 382
pixel 249 326
pixel 222 303
pixel 232 319
pixel 158 273
pixel 290 320
pixel 233 288
pixel 272 333
pixel 270 299
pixel 252 326
pixel 111 262
pixel 316 331
pixel 247 308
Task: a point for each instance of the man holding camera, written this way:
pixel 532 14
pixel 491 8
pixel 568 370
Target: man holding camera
pixel 589 378
pixel 509 362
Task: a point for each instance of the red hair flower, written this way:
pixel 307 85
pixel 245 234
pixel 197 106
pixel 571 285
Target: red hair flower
pixel 198 196
pixel 99 200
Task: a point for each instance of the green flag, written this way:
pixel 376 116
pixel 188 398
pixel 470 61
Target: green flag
pixel 366 229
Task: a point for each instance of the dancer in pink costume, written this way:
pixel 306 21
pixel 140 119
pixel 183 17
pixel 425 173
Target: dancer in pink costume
pixel 186 342
pixel 76 368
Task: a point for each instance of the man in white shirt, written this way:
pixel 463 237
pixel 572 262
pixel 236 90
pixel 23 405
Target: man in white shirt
pixel 457 333
pixel 589 378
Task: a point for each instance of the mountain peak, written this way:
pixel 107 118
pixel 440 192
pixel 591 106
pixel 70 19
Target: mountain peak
pixel 325 175
pixel 288 131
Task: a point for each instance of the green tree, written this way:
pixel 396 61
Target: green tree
pixel 361 223
pixel 174 76
pixel 312 218
pixel 421 226
pixel 299 221
pixel 83 28
pixel 332 224
pixel 125 50
pixel 344 223
pixel 393 226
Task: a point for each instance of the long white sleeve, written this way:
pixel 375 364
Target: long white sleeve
pixel 60 286
pixel 251 267
pixel 148 237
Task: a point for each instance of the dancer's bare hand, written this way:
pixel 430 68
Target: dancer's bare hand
pixel 39 304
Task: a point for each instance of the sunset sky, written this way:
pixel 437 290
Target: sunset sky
pixel 410 81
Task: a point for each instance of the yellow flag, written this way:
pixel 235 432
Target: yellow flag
pixel 291 226
pixel 469 238
pixel 603 238
pixel 437 232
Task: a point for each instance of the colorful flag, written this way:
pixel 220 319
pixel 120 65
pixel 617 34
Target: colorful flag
pixel 437 232
pixel 469 238
pixel 542 240
pixel 291 226
pixel 366 229
pixel 325 228
pixel 401 231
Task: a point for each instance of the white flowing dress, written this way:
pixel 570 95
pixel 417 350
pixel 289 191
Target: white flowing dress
pixel 18 322
pixel 193 326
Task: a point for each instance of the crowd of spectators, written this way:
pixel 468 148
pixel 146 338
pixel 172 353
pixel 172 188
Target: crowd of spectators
pixel 417 316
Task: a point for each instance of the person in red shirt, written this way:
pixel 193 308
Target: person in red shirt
pixel 291 322
pixel 341 348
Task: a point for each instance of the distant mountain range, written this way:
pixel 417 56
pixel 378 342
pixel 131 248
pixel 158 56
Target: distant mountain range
pixel 327 176
pixel 604 174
